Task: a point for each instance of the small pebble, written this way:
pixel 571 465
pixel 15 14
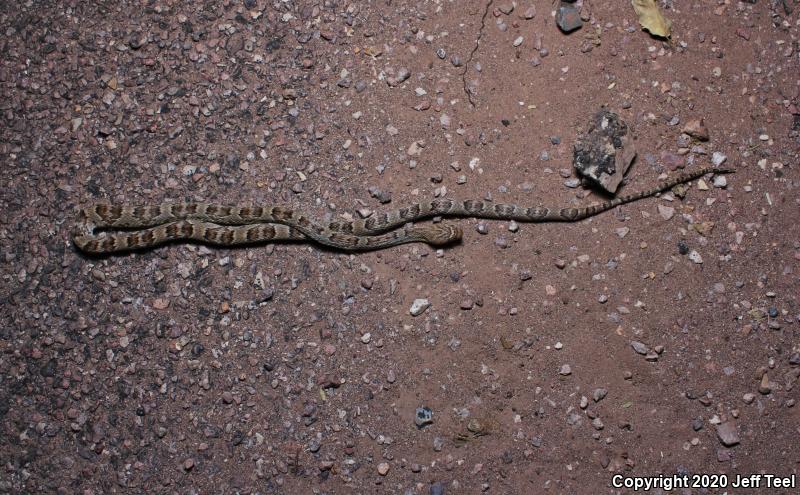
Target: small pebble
pixel 718 158
pixel 419 306
pixel 666 212
pixel 423 416
pixel 728 434
pixel 695 257
pixel 765 387
pixel 599 394
pixel 639 347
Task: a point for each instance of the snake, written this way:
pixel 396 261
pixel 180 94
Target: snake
pixel 239 225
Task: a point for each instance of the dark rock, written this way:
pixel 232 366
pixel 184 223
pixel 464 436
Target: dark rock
pixel 568 17
pixel 49 369
pixel 437 488
pixel 137 40
pixel 604 153
pixel 423 417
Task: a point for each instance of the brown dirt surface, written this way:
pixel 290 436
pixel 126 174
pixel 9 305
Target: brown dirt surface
pixel 659 338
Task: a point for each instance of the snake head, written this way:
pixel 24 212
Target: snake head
pixel 441 234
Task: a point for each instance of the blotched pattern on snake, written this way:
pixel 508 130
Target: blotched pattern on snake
pixel 238 225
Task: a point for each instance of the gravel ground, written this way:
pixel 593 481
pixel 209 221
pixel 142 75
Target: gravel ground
pixel 660 338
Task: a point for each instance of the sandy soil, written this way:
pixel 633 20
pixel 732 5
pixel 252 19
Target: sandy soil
pixel 660 338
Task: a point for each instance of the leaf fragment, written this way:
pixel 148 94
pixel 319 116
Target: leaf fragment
pixel 651 19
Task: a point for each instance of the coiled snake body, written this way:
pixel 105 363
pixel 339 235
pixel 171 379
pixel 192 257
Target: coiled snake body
pixel 238 225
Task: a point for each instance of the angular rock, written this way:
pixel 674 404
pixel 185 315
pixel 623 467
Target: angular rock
pixel 423 416
pixel 697 129
pixel 728 434
pixel 718 158
pixel 639 347
pixel 666 212
pixel 400 77
pixel 604 153
pixel 599 394
pixel 419 306
pixel 568 17
pixel 529 13
pixel 765 387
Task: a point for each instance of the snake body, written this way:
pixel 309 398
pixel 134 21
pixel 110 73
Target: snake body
pixel 237 225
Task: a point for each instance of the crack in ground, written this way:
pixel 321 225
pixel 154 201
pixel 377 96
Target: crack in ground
pixel 472 53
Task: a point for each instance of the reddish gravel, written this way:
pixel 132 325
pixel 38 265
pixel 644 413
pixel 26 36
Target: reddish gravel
pixel 660 338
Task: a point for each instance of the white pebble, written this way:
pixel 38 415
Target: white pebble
pixel 695 256
pixel 419 306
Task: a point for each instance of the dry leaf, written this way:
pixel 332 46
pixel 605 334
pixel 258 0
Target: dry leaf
pixel 650 18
